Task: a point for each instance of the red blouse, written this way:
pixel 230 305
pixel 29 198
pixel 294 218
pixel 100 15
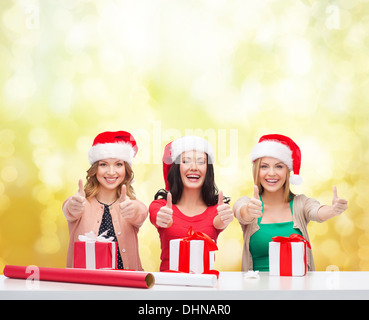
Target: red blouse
pixel 181 223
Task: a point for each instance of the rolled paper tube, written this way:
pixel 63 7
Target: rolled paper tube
pixel 99 277
pixel 185 279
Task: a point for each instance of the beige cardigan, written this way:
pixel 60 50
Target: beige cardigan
pixel 304 210
pixel 90 220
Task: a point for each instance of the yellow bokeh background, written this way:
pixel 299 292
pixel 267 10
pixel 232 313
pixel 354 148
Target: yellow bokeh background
pixel 229 70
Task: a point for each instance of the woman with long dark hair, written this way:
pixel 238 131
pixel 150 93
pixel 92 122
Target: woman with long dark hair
pixel 190 197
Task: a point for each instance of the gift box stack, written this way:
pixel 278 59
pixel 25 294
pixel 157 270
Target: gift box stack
pixel 287 256
pixel 193 254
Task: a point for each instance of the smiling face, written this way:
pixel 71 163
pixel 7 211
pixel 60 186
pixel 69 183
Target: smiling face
pixel 193 169
pixel 272 174
pixel 110 173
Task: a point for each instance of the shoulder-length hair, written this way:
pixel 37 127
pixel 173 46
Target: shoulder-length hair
pixel 92 185
pixel 288 195
pixel 209 190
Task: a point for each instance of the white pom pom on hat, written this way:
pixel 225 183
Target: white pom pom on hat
pixel 283 148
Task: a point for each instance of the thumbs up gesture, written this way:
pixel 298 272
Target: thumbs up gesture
pixel 254 207
pixel 224 210
pixel 126 206
pixel 76 204
pixel 164 218
pixel 338 205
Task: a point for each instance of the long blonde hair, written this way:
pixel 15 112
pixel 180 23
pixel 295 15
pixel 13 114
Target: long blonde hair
pixel 288 194
pixel 92 184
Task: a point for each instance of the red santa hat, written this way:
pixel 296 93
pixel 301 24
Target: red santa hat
pixel 118 145
pixel 187 143
pixel 282 148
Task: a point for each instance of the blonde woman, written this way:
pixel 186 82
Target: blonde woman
pixel 108 202
pixel 274 210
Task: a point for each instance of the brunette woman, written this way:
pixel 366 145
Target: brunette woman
pixel 191 197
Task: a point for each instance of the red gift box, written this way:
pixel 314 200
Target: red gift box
pixel 95 252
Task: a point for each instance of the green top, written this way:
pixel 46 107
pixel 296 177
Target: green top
pixel 259 241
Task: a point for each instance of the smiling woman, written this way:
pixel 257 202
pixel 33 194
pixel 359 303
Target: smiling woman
pixel 107 203
pixel 274 210
pixel 191 197
pixel 110 173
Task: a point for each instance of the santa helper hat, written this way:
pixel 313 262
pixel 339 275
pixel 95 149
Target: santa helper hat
pixel 117 145
pixel 177 147
pixel 283 148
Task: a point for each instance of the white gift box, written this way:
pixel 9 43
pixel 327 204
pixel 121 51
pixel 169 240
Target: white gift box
pixel 196 256
pixel 294 261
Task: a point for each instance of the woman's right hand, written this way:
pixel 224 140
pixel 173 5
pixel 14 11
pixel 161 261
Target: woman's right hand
pixel 164 218
pixel 254 207
pixel 76 204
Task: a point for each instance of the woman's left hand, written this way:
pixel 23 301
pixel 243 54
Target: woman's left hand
pixel 126 205
pixel 338 205
pixel 224 210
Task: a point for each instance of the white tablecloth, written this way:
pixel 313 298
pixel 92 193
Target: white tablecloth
pixel 231 286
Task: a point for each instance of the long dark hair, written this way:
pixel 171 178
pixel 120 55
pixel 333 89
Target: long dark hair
pixel 209 190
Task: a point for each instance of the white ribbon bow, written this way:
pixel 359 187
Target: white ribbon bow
pixel 91 237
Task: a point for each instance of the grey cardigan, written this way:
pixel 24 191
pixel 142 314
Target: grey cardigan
pixel 304 210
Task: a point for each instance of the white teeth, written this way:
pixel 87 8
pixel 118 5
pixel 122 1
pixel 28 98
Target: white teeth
pixel 272 181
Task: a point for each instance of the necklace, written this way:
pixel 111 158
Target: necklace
pixel 109 205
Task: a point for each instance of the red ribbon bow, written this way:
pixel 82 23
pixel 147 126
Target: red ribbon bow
pixel 285 258
pixel 184 251
pixel 292 238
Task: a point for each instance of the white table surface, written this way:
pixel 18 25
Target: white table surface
pixel 231 286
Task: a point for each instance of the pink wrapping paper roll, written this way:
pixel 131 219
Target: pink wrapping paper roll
pixel 100 277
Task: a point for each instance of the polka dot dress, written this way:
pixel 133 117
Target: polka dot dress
pixel 107 224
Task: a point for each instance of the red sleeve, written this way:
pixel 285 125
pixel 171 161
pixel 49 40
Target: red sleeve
pixel 154 209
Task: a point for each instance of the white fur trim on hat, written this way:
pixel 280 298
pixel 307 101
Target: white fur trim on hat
pixel 121 151
pixel 269 148
pixel 295 179
pixel 189 143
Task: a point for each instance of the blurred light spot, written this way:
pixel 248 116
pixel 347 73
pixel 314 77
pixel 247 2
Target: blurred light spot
pixel 321 229
pixel 363 253
pixel 76 39
pixel 62 97
pixel 4 202
pixel 344 225
pixel 48 244
pixel 50 171
pixel 111 60
pixel 330 248
pixel 62 19
pixel 299 58
pixel 7 137
pixel 9 174
pixel 13 19
pixel 42 194
pixel 94 89
pixel 38 136
pixel 251 95
pixel 6 149
pixel 19 87
pixel 320 165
